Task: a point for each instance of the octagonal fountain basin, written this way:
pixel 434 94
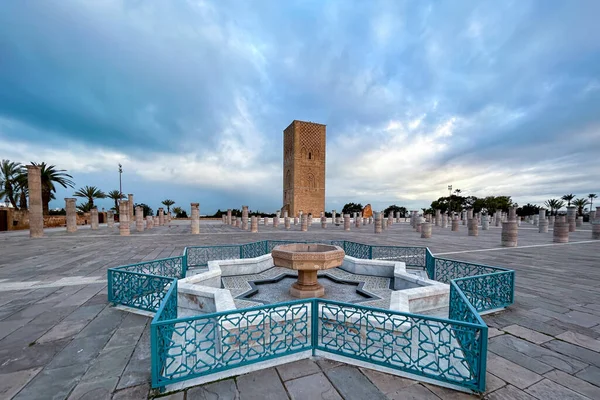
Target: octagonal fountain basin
pixel 307 259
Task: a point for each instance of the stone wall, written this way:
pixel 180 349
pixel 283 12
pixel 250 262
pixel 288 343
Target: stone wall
pixel 19 219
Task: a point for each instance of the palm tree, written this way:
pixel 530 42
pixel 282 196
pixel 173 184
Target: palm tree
pixel 116 196
pixel 568 198
pixel 580 203
pixel 50 176
pixel 554 205
pixel 90 193
pixel 168 203
pixel 592 196
pixel 177 211
pixel 85 207
pixel 9 175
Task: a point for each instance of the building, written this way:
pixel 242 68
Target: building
pixel 304 168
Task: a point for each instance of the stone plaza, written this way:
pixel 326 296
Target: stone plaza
pixel 60 338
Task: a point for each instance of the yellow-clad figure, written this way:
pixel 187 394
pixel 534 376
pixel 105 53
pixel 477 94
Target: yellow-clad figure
pixel 367 212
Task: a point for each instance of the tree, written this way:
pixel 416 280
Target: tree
pixel 51 176
pixel 554 205
pixel 177 211
pixel 146 209
pixel 116 196
pixel 580 203
pixel 528 209
pixel 568 198
pixel 352 208
pixel 168 203
pixel 90 193
pixel 394 208
pixel 592 196
pixel 9 175
pixel 84 207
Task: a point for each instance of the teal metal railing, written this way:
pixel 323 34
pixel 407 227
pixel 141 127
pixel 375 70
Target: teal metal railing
pixel 452 351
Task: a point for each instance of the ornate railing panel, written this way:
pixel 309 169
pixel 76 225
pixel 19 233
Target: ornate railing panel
pixel 447 270
pixel 199 256
pixel 490 291
pixel 420 345
pixel 187 348
pixel 357 250
pixel 412 256
pixel 173 267
pixel 252 250
pixel 137 290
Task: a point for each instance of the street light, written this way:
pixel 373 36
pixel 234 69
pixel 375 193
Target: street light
pixel 120 184
pixel 450 200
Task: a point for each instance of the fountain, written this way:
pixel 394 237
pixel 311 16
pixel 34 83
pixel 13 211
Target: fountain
pixel 307 259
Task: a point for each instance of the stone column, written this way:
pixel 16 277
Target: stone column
pixel 276 220
pixel 156 220
pixel 309 220
pixel 286 221
pixel 36 211
pixel 378 222
pixel 364 220
pixel 265 221
pixel 253 224
pixel 323 221
pixel 110 218
pixel 444 220
pixel 169 217
pixel 596 229
pixel 485 222
pixel 510 230
pixel 463 217
pixel 592 215
pixel 124 218
pixel 224 219
pixel 245 218
pixel 455 224
pixel 303 223
pixel 130 207
pixel 139 219
pixel 438 217
pixel 94 218
pixel 390 219
pixel 551 220
pixel 229 216
pixel 346 222
pixel 161 216
pixel 571 218
pixel 561 230
pixel 473 227
pixel 425 230
pixel 579 222
pixel 71 210
pixel 195 218
pixel 498 217
pixel 420 222
pixel 149 222
pixel 357 221
pixel 536 220
pixel 543 222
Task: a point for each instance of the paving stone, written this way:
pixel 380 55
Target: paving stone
pixel 449 394
pixel 580 340
pixel 261 385
pixel 325 363
pixel 314 386
pixel 412 392
pixel 135 392
pixel 13 382
pixel 492 382
pixel 509 392
pixel 574 383
pixel 138 368
pixel 590 374
pixel 573 317
pixel 79 351
pixel 52 384
pixel 9 326
pixel 573 351
pixel 17 358
pixel 511 372
pixel 126 336
pixel 221 390
pixel 549 390
pixel 386 382
pixel 492 332
pixel 527 334
pixel 297 369
pixel 525 353
pixel 176 396
pixel 105 323
pixel 109 363
pixel 97 389
pixel 352 384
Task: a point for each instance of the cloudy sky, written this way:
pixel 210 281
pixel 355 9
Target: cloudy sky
pixel 495 98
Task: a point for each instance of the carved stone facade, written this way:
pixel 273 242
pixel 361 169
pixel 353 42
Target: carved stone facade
pixel 304 168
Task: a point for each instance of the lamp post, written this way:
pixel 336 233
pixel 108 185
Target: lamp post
pixel 450 201
pixel 120 184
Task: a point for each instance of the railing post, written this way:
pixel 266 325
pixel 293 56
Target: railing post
pixel 184 263
pixel 483 358
pixel 314 316
pixel 370 252
pixel 154 359
pixel 110 286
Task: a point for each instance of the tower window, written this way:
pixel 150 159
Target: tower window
pixel 310 156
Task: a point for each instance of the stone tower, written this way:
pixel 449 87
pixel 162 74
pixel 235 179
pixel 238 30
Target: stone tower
pixel 304 168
